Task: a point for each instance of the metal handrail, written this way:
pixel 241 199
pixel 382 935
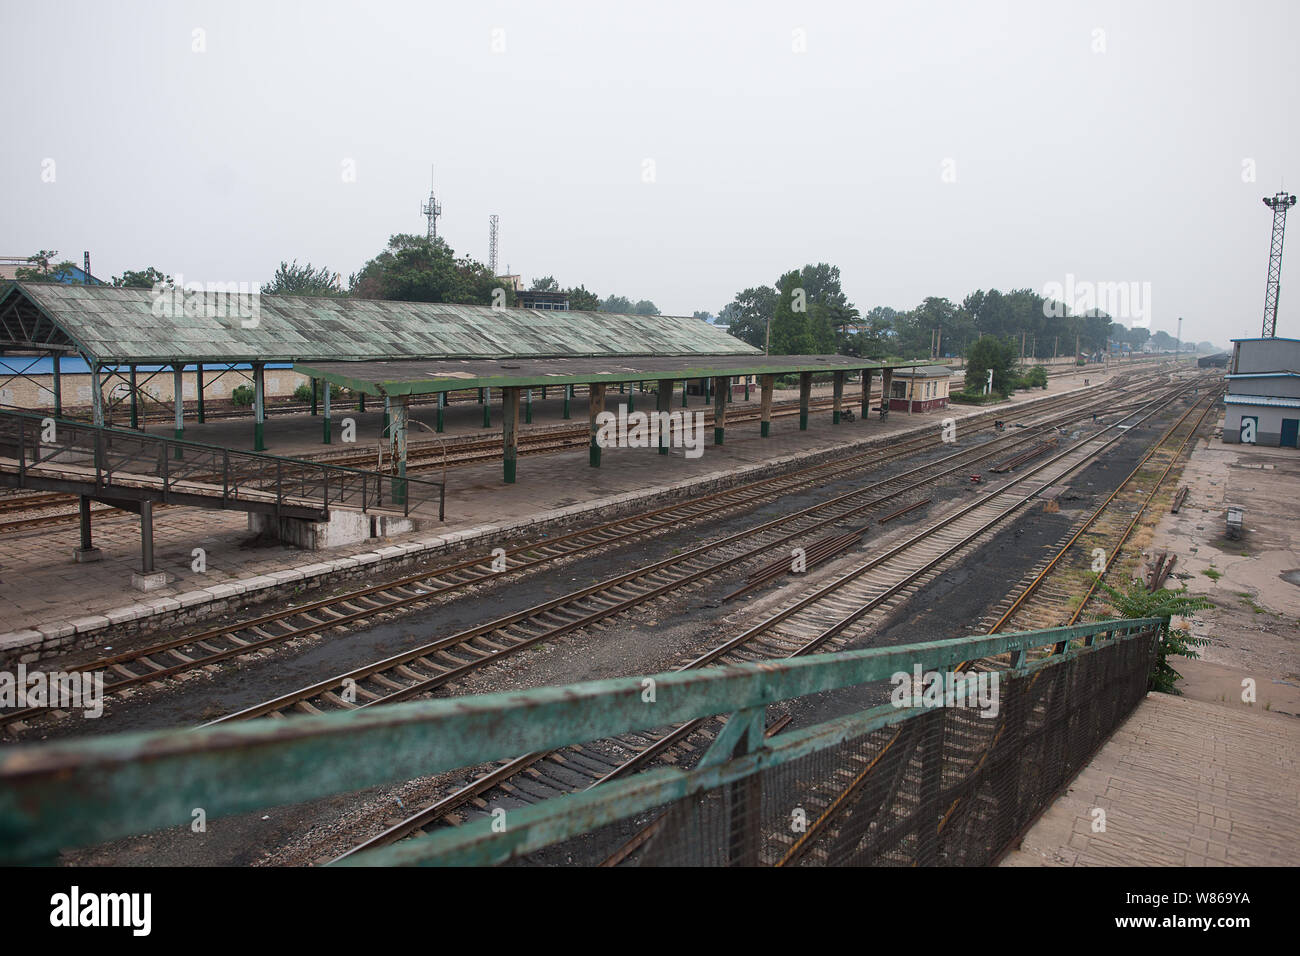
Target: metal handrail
pixel 116 450
pixel 91 790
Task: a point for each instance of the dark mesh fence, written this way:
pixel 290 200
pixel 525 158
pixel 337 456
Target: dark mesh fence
pixel 949 787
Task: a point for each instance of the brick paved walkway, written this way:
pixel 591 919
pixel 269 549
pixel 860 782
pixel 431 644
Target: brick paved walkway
pixel 1183 783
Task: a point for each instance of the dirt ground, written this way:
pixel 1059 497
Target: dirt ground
pixel 1254 581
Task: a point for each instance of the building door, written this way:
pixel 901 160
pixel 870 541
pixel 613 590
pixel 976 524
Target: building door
pixel 1290 432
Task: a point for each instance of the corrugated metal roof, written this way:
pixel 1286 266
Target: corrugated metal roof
pixel 125 326
pixel 421 377
pixel 1271 401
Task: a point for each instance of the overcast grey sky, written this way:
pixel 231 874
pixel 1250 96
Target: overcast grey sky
pixel 924 148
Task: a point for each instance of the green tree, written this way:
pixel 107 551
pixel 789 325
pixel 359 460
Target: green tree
pixel 748 315
pixel 645 307
pixel 546 284
pixel 1137 601
pixel 43 271
pixel 993 353
pixel 293 279
pixel 581 300
pixel 414 269
pixel 617 303
pixel 146 278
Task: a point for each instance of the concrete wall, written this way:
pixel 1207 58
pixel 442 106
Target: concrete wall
pixel 37 391
pixel 1266 355
pixel 1269 430
pixel 1283 386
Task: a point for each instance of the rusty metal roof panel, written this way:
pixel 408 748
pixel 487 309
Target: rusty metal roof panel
pixel 125 326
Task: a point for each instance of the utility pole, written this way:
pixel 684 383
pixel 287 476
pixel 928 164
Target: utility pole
pixel 1178 340
pixel 1022 345
pixel 1279 203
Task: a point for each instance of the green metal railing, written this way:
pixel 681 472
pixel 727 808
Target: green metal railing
pixel 1064 691
pixel 111 460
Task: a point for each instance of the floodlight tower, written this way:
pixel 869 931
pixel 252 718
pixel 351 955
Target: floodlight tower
pixel 1279 203
pixel 493 220
pixel 432 209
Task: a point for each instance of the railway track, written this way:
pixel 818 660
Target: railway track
pixel 1056 592
pixel 829 616
pixel 208 648
pixel 1035 604
pixel 433 665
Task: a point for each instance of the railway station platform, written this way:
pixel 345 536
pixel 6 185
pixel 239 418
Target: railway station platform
pixel 1182 782
pixel 48 604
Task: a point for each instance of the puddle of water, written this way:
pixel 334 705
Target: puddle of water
pixel 1291 577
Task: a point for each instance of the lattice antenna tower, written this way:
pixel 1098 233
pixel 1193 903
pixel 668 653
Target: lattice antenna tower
pixel 493 221
pixel 1279 203
pixel 432 209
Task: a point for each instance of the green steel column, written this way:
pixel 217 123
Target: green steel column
pixel 480 396
pixel 746 388
pixel 837 390
pixel 631 398
pixel 361 402
pixel 313 385
pixel 259 407
pixel 543 393
pixel 684 387
pixel 805 392
pixel 387 415
pixel 510 431
pixel 568 394
pixel 135 402
pixel 866 392
pixel 442 405
pixel 325 422
pixel 719 409
pixel 58 388
pixel 595 405
pixel 487 407
pixel 178 401
pixel 886 384
pixel 401 414
pixel 528 407
pixel 198 378
pixel 663 407
pixel 766 382
pixel 96 397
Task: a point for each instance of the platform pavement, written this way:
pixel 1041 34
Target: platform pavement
pixel 47 602
pixel 1183 783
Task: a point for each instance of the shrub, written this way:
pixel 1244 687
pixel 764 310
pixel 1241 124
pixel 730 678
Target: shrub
pixel 242 395
pixel 1137 601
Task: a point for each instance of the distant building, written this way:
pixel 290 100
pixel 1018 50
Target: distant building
pixel 535 299
pixel 73 275
pixel 920 389
pixel 1263 400
pixel 1214 361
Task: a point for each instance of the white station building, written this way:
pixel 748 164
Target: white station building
pixel 1263 400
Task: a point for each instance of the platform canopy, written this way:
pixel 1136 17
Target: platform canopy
pixel 445 375
pixel 111 326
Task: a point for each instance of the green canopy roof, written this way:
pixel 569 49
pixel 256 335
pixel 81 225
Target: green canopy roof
pixel 113 326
